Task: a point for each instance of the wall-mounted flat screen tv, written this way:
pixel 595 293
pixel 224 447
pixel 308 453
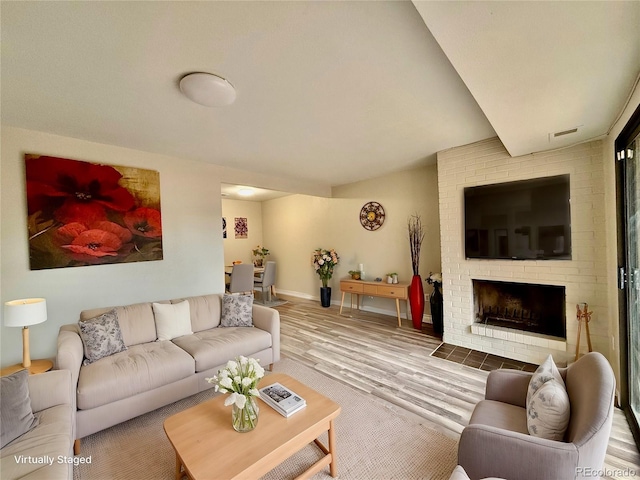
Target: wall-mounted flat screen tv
pixel 528 219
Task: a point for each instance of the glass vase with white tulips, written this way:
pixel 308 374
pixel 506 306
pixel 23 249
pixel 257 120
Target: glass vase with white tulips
pixel 240 379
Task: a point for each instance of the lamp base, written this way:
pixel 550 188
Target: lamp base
pixel 26 356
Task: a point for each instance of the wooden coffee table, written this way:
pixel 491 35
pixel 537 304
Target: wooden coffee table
pixel 208 447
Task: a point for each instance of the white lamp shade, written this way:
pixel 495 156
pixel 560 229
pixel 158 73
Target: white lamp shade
pixel 25 312
pixel 208 89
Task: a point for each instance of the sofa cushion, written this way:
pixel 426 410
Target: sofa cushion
pixel 101 337
pixel 548 411
pixel 141 368
pixel 53 437
pixel 500 415
pixel 212 348
pixel 136 322
pixel 172 320
pixel 204 310
pixel 15 407
pixel 237 311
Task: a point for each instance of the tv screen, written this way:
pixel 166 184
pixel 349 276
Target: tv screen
pixel 528 219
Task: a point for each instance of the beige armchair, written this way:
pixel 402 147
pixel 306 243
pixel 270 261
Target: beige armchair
pixel 496 443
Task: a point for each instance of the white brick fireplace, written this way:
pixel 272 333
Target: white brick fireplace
pixel 583 277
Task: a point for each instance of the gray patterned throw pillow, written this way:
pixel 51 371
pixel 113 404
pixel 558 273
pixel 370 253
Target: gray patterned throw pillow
pixel 101 337
pixel 17 417
pixel 237 311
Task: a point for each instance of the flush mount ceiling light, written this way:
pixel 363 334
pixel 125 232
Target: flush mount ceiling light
pixel 245 192
pixel 208 89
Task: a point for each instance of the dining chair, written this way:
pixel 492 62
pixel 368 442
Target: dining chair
pixel 241 278
pixel 267 280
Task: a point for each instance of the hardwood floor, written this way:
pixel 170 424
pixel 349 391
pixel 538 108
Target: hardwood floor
pixel 369 352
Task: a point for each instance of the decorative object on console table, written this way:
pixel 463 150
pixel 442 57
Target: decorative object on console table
pixel 22 313
pixel 355 274
pixel 416 292
pixel 323 262
pixel 583 315
pixel 436 302
pixel 240 378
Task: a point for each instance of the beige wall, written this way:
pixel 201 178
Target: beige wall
pixel 609 172
pixel 294 226
pixel 192 240
pixel 240 249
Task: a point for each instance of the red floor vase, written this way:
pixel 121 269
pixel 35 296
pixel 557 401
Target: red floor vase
pixel 416 299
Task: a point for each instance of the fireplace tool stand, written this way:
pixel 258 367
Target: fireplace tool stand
pixel 583 316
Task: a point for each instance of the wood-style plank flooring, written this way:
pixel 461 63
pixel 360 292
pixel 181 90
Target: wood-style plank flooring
pixel 369 352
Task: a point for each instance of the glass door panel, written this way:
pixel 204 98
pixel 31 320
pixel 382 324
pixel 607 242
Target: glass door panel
pixel 632 219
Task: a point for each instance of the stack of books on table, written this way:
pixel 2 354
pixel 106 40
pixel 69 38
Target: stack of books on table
pixel 282 400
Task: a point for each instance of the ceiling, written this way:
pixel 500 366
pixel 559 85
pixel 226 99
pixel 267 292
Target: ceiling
pixel 327 92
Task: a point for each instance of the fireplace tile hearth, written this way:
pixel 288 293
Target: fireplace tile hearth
pixel 480 360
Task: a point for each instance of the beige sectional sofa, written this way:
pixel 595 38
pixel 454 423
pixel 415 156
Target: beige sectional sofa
pixel 151 373
pixel 46 451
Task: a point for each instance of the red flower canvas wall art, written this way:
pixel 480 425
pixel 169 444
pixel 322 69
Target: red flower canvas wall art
pixel 82 213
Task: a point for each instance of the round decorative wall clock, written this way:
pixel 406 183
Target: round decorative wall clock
pixel 372 216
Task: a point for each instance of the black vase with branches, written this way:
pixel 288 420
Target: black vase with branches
pixel 416 291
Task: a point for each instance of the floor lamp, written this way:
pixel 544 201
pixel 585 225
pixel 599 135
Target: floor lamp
pixel 22 313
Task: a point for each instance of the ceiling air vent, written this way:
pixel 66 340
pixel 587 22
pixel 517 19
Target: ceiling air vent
pixel 564 133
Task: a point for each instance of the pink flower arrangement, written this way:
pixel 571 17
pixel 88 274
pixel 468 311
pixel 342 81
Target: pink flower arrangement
pixel 323 263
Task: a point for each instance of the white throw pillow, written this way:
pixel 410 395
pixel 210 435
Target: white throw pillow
pixel 548 411
pixel 545 372
pixel 172 320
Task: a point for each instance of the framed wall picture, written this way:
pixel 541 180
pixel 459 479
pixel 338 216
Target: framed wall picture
pixel 241 228
pixel 81 213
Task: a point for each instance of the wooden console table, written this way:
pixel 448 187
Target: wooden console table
pixel 398 291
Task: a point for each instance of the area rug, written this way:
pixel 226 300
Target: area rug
pixel 375 440
pixel 275 301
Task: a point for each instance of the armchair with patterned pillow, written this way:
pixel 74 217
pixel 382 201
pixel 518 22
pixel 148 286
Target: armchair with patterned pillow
pixel 502 439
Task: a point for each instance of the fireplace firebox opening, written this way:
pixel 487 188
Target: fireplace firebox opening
pixel 521 306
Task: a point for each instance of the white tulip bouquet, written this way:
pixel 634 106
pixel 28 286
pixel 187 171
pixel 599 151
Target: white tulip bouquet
pixel 240 378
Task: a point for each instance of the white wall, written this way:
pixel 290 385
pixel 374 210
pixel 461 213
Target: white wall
pixel 192 240
pixel 584 276
pixel 240 249
pixel 294 226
